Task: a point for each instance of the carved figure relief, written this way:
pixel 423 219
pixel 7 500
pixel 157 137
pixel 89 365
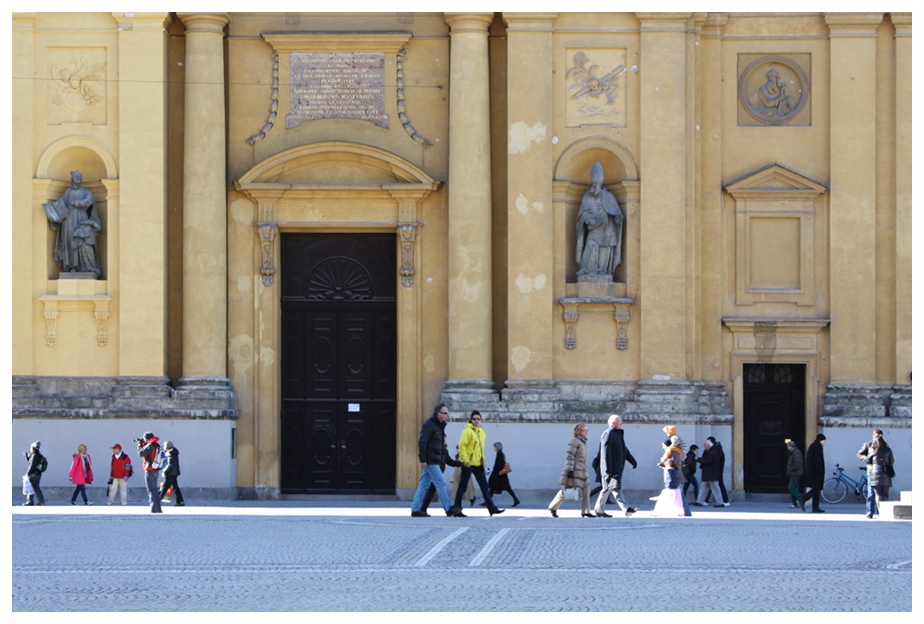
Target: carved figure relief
pixel 772 90
pixel 594 93
pixel 75 219
pixel 77 85
pixel 599 231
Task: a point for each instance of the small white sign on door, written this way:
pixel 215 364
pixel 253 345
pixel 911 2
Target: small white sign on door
pixel 352 407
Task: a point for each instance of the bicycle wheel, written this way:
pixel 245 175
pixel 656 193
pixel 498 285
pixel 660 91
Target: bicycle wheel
pixel 834 490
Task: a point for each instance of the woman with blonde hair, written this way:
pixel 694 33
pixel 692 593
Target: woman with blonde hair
pixel 574 473
pixel 81 474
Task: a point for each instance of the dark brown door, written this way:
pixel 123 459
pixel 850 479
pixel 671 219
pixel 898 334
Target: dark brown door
pixel 338 363
pixel 774 411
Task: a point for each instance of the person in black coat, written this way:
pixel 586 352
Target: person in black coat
pixel 431 492
pixel 501 482
pixel 37 465
pixel 814 474
pixel 689 472
pixel 171 472
pixel 712 463
pixel 431 446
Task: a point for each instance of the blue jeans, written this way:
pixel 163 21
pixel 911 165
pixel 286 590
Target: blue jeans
pixel 150 482
pixel 431 474
pixel 691 480
pixel 478 471
pixel 82 490
pixel 871 507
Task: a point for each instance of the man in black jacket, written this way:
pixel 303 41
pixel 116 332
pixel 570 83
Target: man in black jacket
pixel 814 474
pixel 711 465
pixel 430 447
pixel 613 457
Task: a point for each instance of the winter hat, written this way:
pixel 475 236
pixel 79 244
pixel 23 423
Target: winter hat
pixel 37 445
pixel 670 430
pixel 147 435
pixel 820 437
pixel 168 444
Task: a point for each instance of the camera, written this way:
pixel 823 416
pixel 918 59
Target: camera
pixel 138 441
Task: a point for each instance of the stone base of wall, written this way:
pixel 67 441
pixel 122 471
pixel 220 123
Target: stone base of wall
pixel 866 405
pixel 647 401
pixel 120 397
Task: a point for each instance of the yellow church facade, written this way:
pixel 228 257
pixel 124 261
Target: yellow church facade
pixel 312 228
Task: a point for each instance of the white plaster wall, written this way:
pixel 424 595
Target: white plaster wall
pixel 842 445
pixel 204 445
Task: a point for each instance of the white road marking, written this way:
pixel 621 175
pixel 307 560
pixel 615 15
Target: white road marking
pixel 488 548
pixel 436 549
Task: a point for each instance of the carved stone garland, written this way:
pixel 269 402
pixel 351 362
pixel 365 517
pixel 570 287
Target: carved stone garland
pixel 274 106
pixel 402 109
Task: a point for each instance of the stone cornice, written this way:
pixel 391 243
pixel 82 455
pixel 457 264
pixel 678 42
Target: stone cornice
pixel 389 43
pixel 853 24
pixel 205 22
pixel 902 23
pixel 143 21
pixel 663 21
pixel 530 21
pixel 715 24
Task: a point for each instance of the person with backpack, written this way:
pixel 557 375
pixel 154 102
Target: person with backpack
pixel 119 472
pixel 152 456
pixel 171 472
pixel 37 465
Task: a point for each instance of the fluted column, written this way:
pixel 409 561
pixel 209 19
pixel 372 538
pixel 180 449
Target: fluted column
pixel 853 195
pixel 469 244
pixel 204 203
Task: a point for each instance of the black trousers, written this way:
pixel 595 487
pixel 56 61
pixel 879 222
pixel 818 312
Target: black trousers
pixel 168 481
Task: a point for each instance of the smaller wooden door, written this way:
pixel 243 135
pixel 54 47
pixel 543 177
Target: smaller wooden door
pixel 774 411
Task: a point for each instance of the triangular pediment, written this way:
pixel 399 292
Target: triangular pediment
pixel 775 179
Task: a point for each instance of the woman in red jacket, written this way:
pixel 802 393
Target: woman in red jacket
pixel 81 474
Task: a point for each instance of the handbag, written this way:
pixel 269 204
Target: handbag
pixel 505 469
pixel 572 495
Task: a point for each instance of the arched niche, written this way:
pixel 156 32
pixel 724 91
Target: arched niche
pixel 572 180
pixel 52 177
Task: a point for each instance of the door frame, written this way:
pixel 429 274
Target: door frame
pixel 770 341
pixel 365 205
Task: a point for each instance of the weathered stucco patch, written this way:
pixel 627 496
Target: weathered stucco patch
pixel 522 136
pixel 520 358
pixel 240 353
pixel 243 284
pixel 522 204
pixel 428 363
pixel 267 356
pixel 526 284
pixel 242 211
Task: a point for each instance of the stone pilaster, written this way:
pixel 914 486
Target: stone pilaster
pixel 142 219
pixel 903 178
pixel 853 195
pixel 469 237
pixel 663 256
pixel 530 298
pixel 204 204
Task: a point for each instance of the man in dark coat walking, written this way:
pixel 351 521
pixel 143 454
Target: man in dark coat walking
pixel 814 474
pixel 712 463
pixel 430 447
pixel 613 457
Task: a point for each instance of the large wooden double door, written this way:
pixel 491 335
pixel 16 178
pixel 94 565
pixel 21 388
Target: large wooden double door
pixel 339 363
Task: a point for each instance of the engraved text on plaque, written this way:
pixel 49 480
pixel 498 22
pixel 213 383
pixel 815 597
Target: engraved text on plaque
pixel 337 84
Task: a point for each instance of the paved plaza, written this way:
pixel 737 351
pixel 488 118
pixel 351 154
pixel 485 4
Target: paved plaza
pixel 372 556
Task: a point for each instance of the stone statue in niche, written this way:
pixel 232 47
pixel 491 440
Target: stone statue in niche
pixel 74 217
pixel 599 232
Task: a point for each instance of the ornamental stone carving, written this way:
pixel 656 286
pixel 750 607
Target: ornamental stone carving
pixel 773 90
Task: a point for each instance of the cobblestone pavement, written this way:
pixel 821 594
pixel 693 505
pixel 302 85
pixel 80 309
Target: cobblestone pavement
pixel 375 557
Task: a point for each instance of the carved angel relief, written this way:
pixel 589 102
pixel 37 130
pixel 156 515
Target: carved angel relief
pixel 594 92
pixel 78 84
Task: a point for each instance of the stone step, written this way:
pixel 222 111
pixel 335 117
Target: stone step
pixel 896 510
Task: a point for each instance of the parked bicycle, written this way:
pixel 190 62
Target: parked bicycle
pixel 836 488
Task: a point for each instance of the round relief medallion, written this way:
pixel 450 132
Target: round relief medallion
pixel 773 89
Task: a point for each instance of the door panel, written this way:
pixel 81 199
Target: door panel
pixel 774 411
pixel 339 363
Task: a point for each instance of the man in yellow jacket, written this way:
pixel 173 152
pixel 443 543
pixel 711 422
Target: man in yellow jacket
pixel 471 454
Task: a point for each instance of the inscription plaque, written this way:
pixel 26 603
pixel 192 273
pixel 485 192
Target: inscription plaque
pixel 337 84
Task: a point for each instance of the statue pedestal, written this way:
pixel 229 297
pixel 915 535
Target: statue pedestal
pixel 600 298
pixel 75 275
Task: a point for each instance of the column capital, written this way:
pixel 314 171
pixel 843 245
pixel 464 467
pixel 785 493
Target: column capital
pixel 468 22
pixel 715 24
pixel 852 24
pixel 205 22
pixel 530 21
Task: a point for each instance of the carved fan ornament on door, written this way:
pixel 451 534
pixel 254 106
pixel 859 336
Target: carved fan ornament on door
pixel 339 279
